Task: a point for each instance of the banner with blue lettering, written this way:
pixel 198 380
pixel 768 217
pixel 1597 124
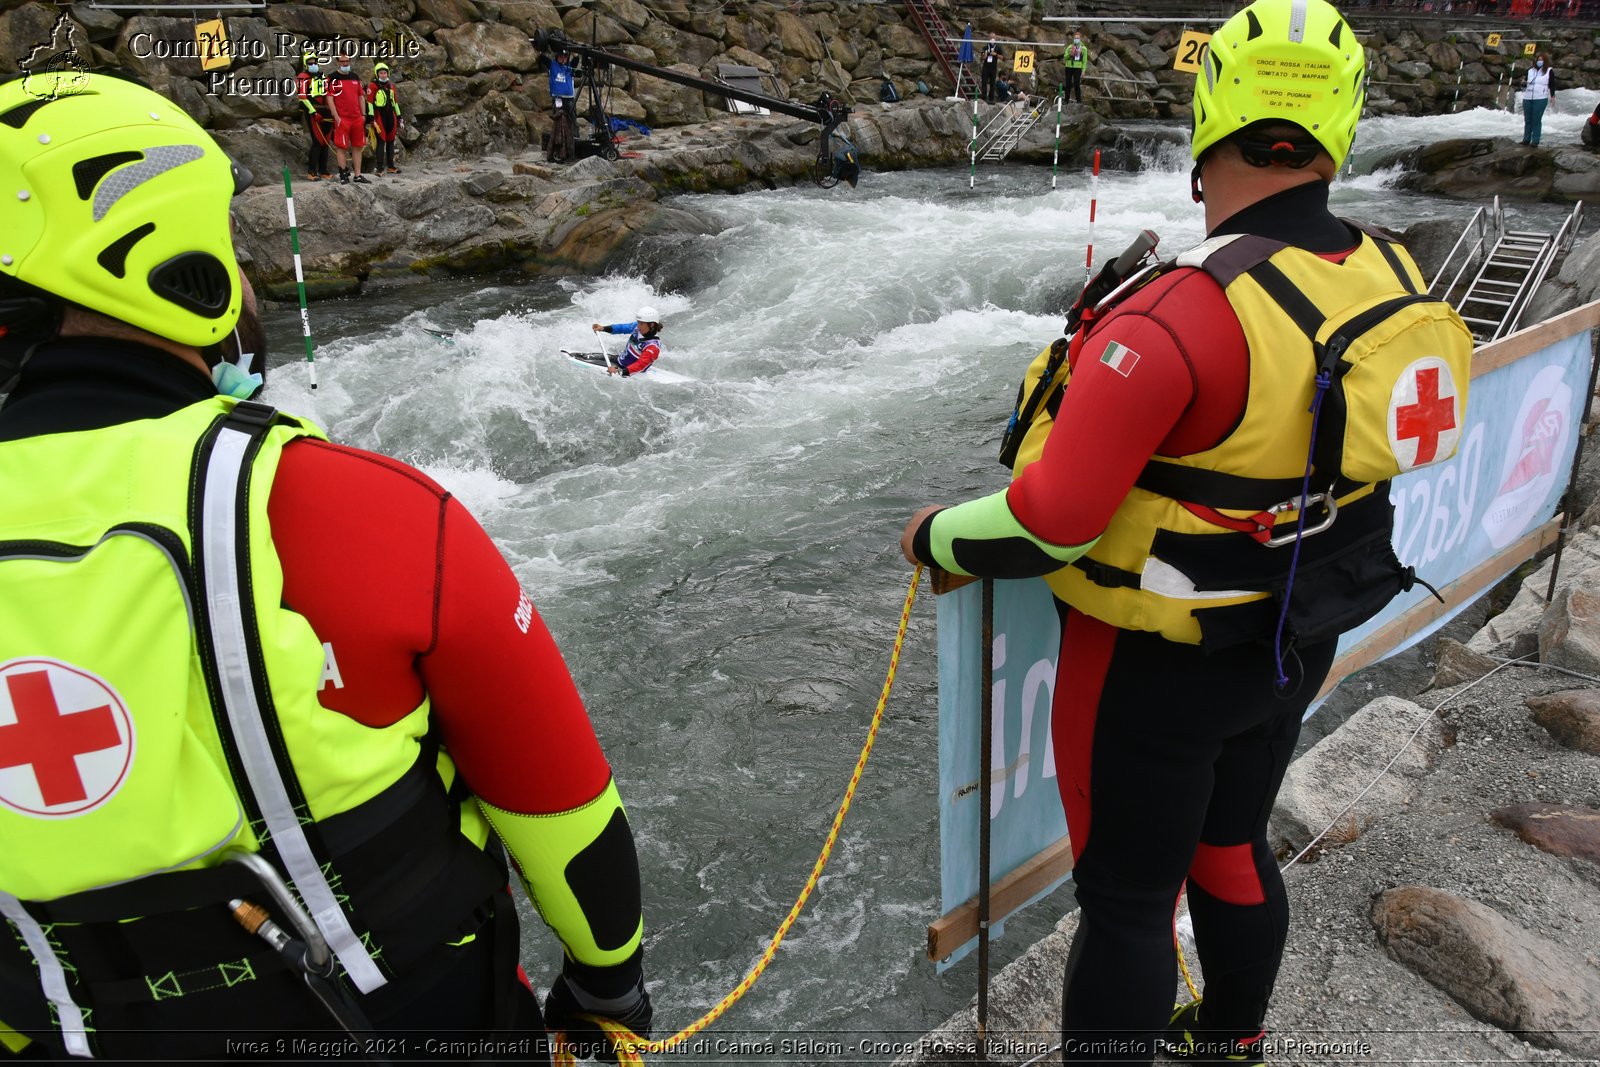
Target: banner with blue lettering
pixel 1506 479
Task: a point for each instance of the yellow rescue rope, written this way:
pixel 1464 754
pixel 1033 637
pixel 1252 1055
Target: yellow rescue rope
pixel 628 1044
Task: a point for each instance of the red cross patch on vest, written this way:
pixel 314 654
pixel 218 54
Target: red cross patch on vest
pixel 1424 413
pixel 66 739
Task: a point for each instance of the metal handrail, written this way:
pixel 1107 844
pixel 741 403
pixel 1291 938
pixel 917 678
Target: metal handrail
pixel 1014 112
pixel 1491 225
pixel 1559 245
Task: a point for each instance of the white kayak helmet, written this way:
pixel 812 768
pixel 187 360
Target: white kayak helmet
pixel 648 314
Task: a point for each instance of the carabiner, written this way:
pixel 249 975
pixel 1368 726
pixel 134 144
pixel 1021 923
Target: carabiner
pixel 1289 537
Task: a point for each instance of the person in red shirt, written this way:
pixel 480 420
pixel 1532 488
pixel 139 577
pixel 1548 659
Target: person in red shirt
pixel 437 673
pixel 1172 737
pixel 347 105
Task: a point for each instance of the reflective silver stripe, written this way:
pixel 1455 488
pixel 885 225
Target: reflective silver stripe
pixel 1297 21
pixel 124 180
pixel 220 536
pixel 52 979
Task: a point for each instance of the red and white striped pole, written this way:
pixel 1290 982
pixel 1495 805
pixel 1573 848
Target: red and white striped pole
pixel 1094 197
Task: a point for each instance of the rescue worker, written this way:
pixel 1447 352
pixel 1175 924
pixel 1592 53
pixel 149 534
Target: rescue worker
pixel 311 88
pixel 383 112
pixel 234 655
pixel 563 109
pixel 1073 60
pixel 346 105
pixel 1176 709
pixel 643 347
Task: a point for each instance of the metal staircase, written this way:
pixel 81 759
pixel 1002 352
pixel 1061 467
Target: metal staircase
pixel 1009 125
pixel 1509 267
pixel 945 48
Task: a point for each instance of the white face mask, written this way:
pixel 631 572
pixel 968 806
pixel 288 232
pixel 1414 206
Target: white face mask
pixel 1539 63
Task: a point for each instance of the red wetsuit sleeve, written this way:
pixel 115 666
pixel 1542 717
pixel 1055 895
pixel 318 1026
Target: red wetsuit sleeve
pixel 411 598
pixel 648 354
pixel 1166 373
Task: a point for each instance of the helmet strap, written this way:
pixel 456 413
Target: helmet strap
pixel 1194 183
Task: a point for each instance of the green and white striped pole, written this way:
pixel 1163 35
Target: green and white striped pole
pixel 299 275
pixel 972 176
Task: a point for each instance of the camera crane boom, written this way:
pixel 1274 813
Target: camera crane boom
pixel 834 162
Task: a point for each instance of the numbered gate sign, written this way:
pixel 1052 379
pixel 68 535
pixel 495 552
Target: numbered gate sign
pixel 1022 63
pixel 1190 48
pixel 212 37
pixel 1529 48
pixel 1493 41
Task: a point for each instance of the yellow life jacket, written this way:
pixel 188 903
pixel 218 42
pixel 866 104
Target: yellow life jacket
pixel 1186 555
pixel 163 710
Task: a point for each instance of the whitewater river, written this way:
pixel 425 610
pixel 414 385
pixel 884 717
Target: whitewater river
pixel 717 556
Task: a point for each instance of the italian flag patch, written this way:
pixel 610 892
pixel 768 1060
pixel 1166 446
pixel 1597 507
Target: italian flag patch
pixel 1119 358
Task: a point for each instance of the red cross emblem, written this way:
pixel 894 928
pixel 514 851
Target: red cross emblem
pixel 66 739
pixel 1423 425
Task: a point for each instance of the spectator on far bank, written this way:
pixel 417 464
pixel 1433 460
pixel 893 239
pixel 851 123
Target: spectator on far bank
pixel 1538 89
pixel 347 106
pixel 1004 90
pixel 990 67
pixel 1074 58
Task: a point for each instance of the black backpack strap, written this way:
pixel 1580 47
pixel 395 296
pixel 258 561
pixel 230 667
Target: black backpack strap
pixel 1393 259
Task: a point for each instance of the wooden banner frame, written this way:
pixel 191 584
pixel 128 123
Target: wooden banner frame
pixel 959 925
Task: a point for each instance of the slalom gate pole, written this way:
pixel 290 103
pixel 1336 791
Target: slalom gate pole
pixel 1456 98
pixel 299 275
pixel 985 784
pixel 972 177
pixel 1094 198
pixel 1055 160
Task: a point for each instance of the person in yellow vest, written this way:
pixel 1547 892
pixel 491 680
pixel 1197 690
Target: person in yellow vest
pixel 310 87
pixel 278 725
pixel 1161 495
pixel 383 114
pixel 1074 58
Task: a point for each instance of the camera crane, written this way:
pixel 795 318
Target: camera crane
pixel 835 162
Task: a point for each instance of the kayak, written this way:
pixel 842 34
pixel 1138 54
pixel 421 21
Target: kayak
pixel 593 360
pixel 599 361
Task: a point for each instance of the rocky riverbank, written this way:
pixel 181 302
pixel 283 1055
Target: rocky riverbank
pixel 514 211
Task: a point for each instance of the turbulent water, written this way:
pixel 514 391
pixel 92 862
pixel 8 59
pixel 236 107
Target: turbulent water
pixel 717 556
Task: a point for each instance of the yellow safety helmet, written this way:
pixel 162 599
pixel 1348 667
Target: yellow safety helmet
pixel 1295 61
pixel 116 200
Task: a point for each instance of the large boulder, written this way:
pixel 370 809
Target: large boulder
pixel 668 104
pixel 488 126
pixel 448 13
pixel 1323 782
pixel 319 23
pixel 1569 632
pixel 481 46
pixel 1505 975
pixel 795 38
pixel 579 23
pixel 30 32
